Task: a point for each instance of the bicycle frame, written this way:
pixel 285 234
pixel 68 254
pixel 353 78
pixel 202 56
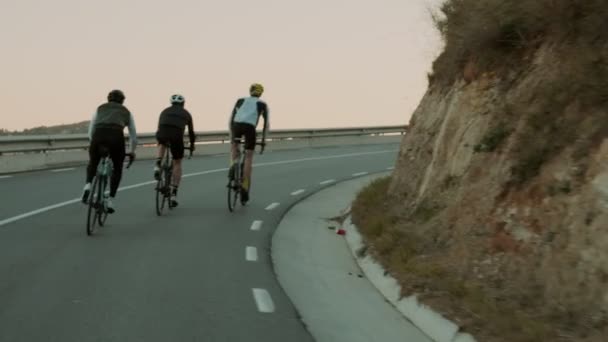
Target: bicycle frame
pixel 97 212
pixel 163 185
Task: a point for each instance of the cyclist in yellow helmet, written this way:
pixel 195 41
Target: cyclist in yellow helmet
pixel 243 122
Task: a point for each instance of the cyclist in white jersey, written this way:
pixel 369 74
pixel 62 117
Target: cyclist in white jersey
pixel 243 122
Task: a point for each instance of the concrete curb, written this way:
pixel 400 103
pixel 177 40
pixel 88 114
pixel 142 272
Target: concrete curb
pixel 428 321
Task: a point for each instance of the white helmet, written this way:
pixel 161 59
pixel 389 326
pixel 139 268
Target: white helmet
pixel 177 99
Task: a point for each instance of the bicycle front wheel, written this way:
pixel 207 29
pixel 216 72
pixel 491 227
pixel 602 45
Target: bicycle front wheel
pixel 92 212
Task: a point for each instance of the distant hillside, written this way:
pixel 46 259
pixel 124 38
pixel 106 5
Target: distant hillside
pixel 75 128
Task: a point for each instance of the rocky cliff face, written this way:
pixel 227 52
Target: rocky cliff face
pixel 502 181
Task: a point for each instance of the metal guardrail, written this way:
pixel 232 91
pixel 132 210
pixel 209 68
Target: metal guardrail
pixel 44 143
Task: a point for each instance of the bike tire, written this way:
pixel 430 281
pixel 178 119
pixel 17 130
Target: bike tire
pixel 102 212
pixel 240 188
pixel 160 197
pixel 161 192
pixel 169 192
pixel 234 189
pixel 233 195
pixel 92 210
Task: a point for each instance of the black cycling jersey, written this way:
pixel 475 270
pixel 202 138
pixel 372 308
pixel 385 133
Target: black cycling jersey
pixel 178 117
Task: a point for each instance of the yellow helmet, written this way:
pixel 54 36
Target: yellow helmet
pixel 256 90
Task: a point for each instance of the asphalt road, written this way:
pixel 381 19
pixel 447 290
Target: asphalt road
pixel 200 273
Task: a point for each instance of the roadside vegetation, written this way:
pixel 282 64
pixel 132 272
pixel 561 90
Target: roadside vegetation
pixel 500 38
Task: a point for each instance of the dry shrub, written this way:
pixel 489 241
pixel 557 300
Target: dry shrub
pixel 500 37
pixel 498 34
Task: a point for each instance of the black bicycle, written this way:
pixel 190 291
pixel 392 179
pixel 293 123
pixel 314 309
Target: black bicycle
pixel 235 175
pixel 163 185
pixel 97 212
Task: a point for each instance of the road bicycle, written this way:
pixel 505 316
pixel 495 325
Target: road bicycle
pixel 97 212
pixel 235 175
pixel 164 195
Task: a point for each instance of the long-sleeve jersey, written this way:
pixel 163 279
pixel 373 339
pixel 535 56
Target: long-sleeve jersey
pixel 114 115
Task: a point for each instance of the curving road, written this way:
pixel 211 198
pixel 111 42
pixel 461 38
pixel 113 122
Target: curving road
pixel 199 273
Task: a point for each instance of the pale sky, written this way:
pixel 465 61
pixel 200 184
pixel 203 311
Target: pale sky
pixel 324 63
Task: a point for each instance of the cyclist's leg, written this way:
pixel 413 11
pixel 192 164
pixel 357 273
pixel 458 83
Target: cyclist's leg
pixel 160 138
pixel 161 152
pixel 235 134
pixel 177 152
pixel 94 158
pixel 248 169
pixel 117 154
pixel 250 136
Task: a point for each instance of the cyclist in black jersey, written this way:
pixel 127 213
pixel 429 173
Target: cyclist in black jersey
pixel 243 121
pixel 106 132
pixel 171 125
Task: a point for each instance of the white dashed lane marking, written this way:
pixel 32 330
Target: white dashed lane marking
pixel 251 254
pixel 256 225
pixel 358 174
pixel 298 192
pixel 329 181
pixel 263 301
pixel 6 176
pixel 64 170
pixel 273 206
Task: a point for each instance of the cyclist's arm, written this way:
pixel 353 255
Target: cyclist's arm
pixel 191 130
pixel 92 125
pixel 266 115
pixel 132 133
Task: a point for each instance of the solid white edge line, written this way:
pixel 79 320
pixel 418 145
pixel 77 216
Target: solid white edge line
pixel 76 200
pixel 256 225
pixel 272 206
pixel 263 301
pixel 298 192
pixel 329 181
pixel 38 211
pixel 251 254
pixel 358 174
pixel 64 170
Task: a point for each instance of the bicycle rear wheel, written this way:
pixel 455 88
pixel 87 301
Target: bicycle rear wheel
pixel 102 213
pixel 234 189
pixel 159 197
pixel 161 190
pixel 93 204
pixel 169 192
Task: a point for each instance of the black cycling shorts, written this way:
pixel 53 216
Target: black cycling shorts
pixel 240 129
pixel 173 136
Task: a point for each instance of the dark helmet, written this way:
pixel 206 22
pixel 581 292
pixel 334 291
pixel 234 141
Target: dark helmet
pixel 116 96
